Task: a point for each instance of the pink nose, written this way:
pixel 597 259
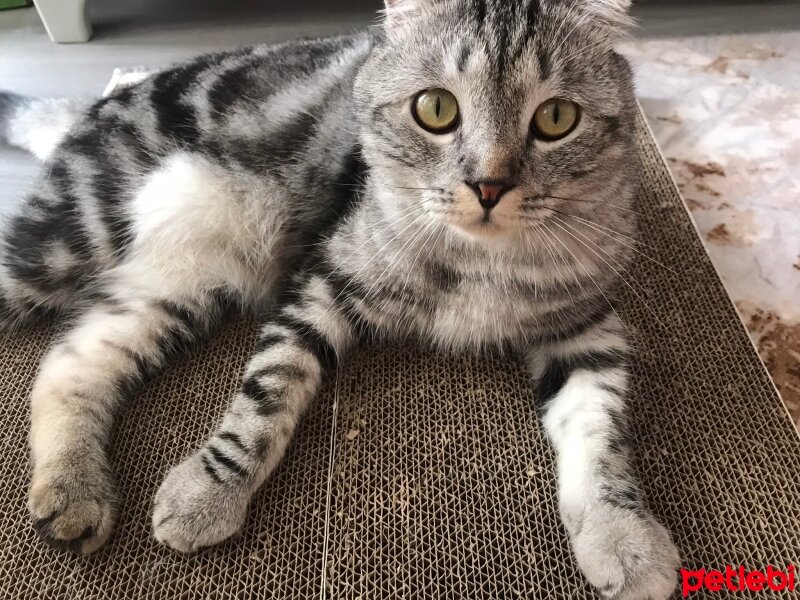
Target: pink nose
pixel 491 191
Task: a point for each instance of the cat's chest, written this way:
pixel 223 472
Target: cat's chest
pixel 475 314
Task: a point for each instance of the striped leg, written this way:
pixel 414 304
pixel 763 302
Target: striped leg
pixel 204 499
pixel 80 386
pixel 619 545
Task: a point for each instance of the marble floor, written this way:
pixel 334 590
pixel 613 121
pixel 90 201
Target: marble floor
pixel 719 81
pixel 726 113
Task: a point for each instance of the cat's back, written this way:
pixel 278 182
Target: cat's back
pixel 243 108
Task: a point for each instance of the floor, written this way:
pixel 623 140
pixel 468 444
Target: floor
pixel 726 113
pixel 722 96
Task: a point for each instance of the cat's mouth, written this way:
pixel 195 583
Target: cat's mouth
pixel 484 226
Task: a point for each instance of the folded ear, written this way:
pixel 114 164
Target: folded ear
pixel 399 5
pixel 397 10
pixel 610 12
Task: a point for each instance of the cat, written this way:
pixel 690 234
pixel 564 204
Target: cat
pixel 462 173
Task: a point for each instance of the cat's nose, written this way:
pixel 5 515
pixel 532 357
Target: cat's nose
pixel 490 192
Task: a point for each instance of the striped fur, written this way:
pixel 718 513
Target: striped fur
pixel 293 181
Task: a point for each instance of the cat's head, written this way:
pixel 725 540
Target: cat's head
pixel 493 116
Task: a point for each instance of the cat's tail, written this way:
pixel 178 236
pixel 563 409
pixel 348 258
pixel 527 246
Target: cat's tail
pixel 37 124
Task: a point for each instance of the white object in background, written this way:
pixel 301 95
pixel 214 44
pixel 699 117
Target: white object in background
pixel 65 20
pixel 126 77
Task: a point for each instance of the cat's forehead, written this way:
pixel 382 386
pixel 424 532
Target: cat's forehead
pixel 502 41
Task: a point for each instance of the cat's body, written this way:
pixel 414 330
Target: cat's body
pixel 293 180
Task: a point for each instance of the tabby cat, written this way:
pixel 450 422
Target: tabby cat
pixel 461 174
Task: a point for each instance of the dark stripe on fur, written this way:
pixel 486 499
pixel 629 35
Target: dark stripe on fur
pixel 231 87
pixel 108 184
pixel 622 496
pixel 176 116
pixel 58 221
pixel 585 322
pixel 267 341
pixel 234 439
pixel 210 470
pixel 554 378
pixel 227 462
pixel 311 339
pixel 175 311
pixel 279 147
pixel 463 56
pixel 268 400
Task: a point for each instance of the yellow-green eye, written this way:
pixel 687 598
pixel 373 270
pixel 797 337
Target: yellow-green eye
pixel 435 110
pixel 556 118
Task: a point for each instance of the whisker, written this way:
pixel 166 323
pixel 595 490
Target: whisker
pixel 400 253
pixel 422 247
pixel 597 227
pixel 342 236
pixel 596 202
pixel 585 270
pixel 614 231
pixel 551 250
pixel 624 280
pixel 606 253
pixel 426 189
pixel 404 213
pixel 371 260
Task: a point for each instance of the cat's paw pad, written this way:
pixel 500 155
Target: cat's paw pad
pixel 73 509
pixel 626 555
pixel 192 510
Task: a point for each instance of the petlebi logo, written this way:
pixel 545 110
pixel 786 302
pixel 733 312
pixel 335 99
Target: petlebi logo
pixel 738 579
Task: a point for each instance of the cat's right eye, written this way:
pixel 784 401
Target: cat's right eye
pixel 436 111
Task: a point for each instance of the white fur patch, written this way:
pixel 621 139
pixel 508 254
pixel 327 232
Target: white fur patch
pixel 579 424
pixel 197 227
pixel 40 125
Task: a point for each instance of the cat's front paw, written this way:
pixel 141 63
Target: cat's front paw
pixel 194 510
pixel 73 505
pixel 626 555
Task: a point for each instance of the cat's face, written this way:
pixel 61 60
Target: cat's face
pixel 488 115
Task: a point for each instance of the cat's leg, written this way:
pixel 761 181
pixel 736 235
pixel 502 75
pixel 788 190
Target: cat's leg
pixel 204 499
pixel 189 251
pixel 582 385
pixel 80 386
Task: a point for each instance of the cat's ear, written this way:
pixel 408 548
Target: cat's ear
pixel 612 12
pixel 610 19
pixel 397 11
pixel 400 5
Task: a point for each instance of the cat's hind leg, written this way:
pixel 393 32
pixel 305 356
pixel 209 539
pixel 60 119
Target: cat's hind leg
pixel 198 242
pixel 78 392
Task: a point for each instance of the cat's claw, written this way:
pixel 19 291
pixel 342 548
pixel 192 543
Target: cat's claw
pixel 626 555
pixel 192 511
pixel 73 510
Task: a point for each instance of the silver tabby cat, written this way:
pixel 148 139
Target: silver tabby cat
pixel 461 174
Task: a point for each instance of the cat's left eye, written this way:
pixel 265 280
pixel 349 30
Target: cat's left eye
pixel 435 110
pixel 556 119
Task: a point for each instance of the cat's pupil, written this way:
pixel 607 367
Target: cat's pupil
pixel 556 114
pixel 438 106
